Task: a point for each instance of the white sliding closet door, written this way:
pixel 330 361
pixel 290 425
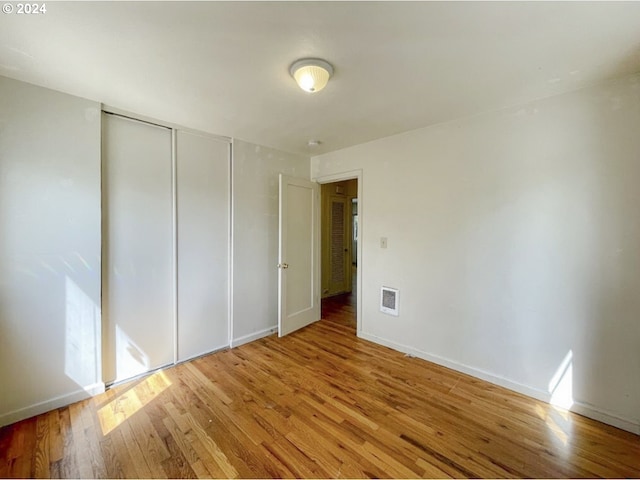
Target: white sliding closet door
pixel 203 177
pixel 138 270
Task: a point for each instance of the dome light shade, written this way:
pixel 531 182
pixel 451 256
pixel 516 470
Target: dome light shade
pixel 312 74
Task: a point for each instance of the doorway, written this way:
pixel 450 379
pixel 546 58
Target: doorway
pixel 339 251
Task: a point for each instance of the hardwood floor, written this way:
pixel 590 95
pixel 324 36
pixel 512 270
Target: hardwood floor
pixel 340 309
pixel 318 403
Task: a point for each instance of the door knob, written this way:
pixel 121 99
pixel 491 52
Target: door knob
pixel 283 265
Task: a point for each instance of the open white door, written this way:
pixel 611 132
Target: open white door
pixel 298 254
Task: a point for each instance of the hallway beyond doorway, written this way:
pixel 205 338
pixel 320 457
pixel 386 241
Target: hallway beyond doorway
pixel 341 249
pixel 341 309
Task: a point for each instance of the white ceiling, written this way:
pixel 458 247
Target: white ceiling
pixel 222 67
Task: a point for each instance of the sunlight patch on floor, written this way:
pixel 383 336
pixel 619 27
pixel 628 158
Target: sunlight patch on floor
pixel 128 403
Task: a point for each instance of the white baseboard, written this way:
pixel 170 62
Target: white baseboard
pixel 52 404
pixel 601 415
pixel 236 342
pixel 583 409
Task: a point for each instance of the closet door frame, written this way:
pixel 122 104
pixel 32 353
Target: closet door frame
pixel 110 110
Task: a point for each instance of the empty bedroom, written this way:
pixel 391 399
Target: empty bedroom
pixel 319 239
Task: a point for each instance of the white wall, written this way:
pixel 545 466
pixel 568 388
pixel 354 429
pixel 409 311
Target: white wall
pixel 49 249
pixel 514 238
pixel 255 235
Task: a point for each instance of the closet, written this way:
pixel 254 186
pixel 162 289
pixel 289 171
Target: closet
pixel 165 248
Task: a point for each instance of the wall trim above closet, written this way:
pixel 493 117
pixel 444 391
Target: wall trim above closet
pixel 109 109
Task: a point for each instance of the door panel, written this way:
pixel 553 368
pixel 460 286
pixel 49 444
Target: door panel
pixel 298 272
pixel 203 244
pixel 299 255
pixel 138 296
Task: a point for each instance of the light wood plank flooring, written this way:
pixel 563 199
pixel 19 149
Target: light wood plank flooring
pixel 318 403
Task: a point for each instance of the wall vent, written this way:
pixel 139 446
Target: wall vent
pixel 389 300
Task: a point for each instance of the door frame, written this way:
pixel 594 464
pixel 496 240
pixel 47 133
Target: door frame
pixel 339 177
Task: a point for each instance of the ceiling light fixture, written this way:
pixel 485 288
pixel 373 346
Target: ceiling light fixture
pixel 312 74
